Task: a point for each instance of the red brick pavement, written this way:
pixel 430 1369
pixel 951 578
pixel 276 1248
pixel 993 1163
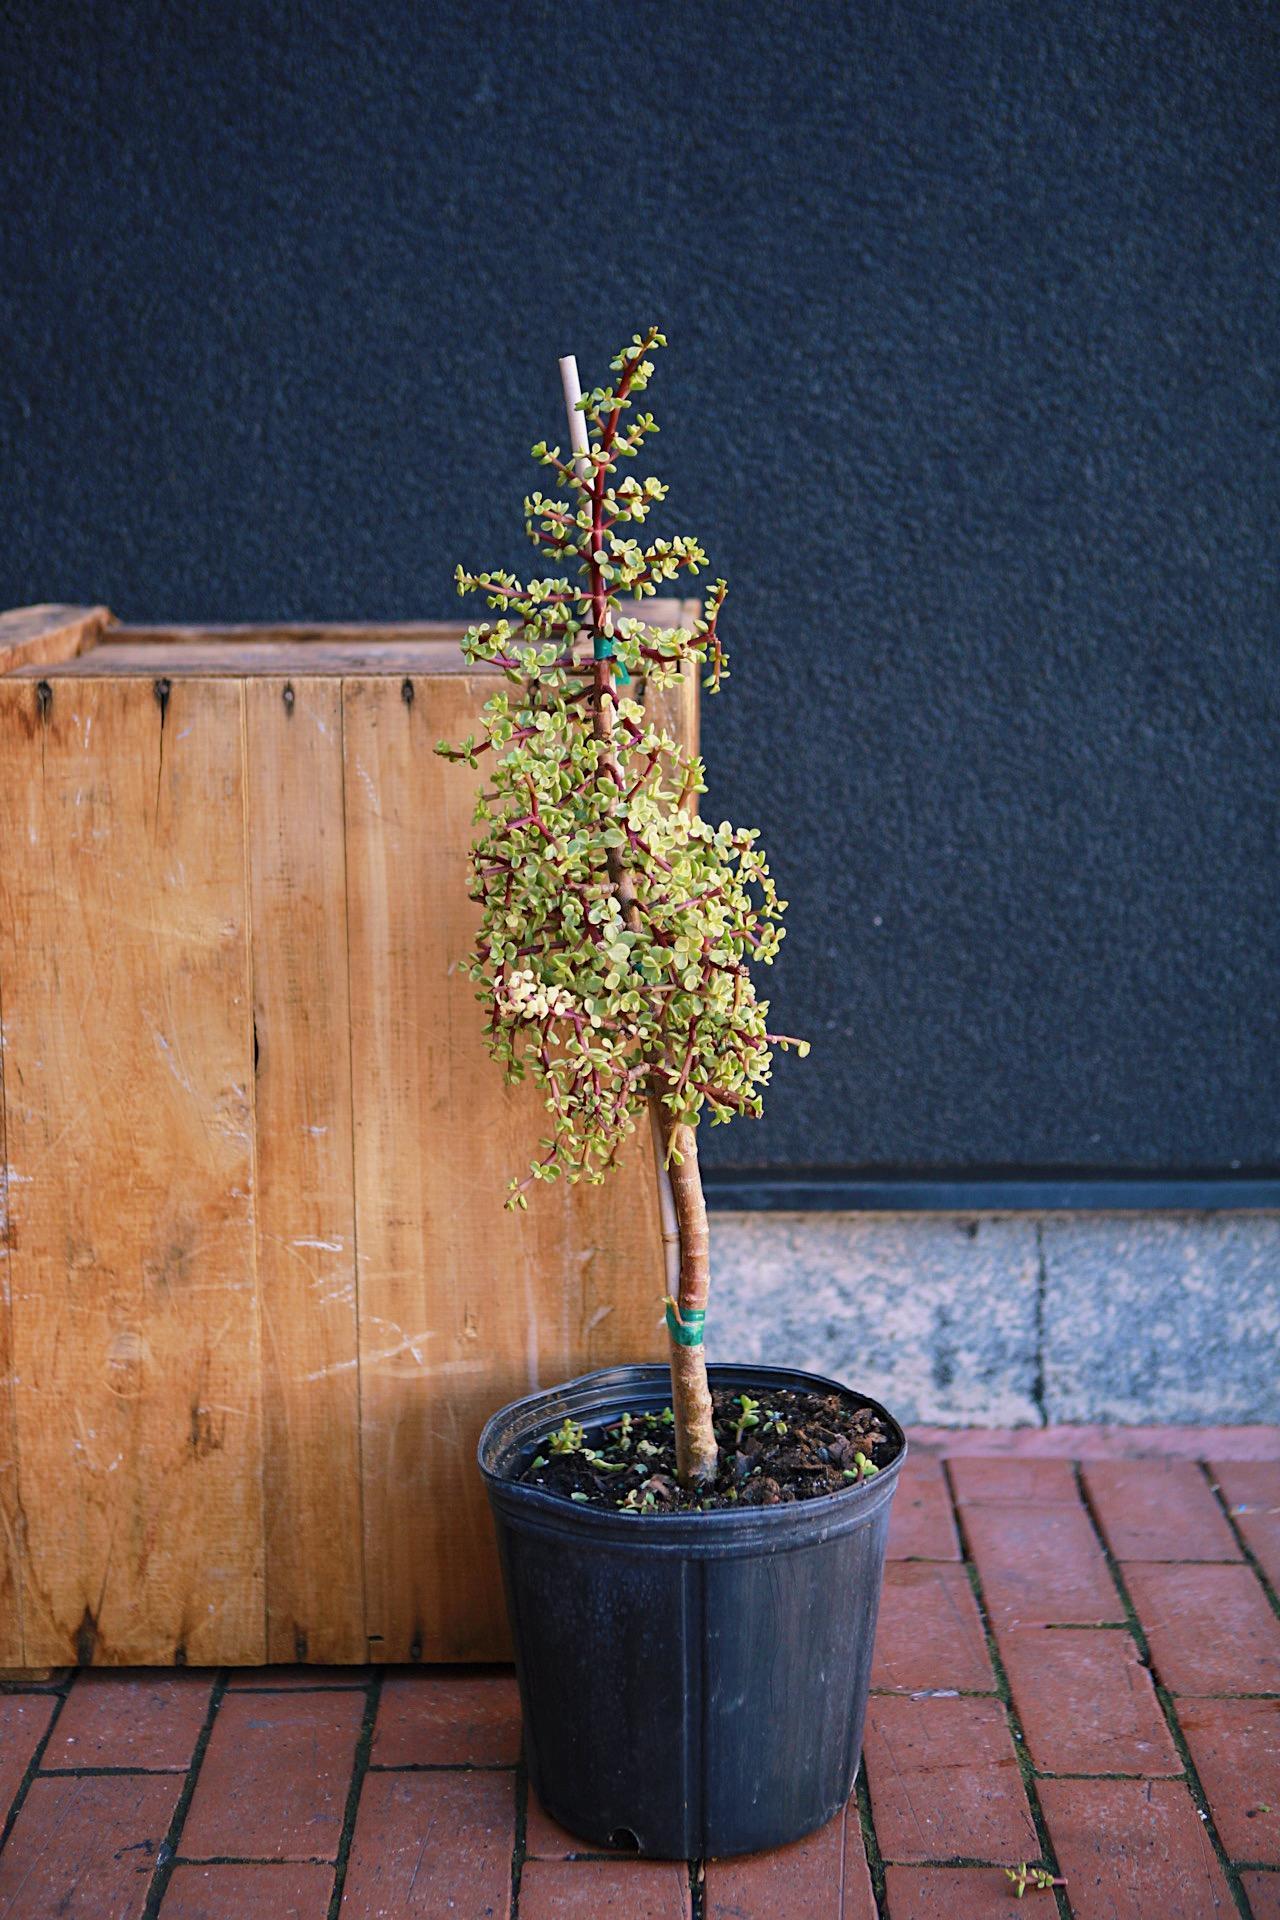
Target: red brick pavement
pixel 241 1890
pixel 274 1781
pixel 1251 1489
pixel 930 1631
pixel 1087 1703
pixel 1134 1849
pixel 1078 1665
pixel 1158 1510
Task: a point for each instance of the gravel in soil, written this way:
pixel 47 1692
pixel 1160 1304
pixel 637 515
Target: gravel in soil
pixel 776 1448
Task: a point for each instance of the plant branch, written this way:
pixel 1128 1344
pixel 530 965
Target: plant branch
pixel 675 1152
pixel 615 924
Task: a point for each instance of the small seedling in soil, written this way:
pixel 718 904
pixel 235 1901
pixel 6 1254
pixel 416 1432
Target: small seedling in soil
pixel 768 1421
pixel 862 1468
pixel 568 1438
pixel 772 1449
pixel 1039 1879
pixel 597 1459
pixel 750 1416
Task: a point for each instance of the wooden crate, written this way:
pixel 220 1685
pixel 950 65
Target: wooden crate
pixel 257 1286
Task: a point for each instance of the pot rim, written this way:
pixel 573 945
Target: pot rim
pixel 513 1424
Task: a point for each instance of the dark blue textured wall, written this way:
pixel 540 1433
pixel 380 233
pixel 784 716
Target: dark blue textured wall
pixel 972 396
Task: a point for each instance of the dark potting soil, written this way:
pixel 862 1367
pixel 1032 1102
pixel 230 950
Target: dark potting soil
pixel 776 1448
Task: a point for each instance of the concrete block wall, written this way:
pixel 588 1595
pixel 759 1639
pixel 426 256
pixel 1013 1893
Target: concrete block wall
pixel 1012 1319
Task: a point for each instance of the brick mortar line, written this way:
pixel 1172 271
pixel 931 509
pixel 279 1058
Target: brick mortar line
pixel 870 1838
pixel 936 1693
pixel 59 1694
pixel 321 1686
pixel 1250 1556
pixel 251 1860
pixel 955 1863
pixel 441 1766
pixel 615 1857
pixel 89 1772
pixel 1005 1692
pixel 1136 1560
pixel 1194 1697
pixel 1133 1622
pixel 1140 1779
pixel 521 1827
pixel 167 1851
pixel 697 1889
pixel 355 1787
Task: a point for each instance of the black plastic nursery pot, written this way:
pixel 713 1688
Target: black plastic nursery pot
pixel 693 1684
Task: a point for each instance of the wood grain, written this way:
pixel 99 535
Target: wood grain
pixel 123 957
pixel 677 708
pixel 306 1211
pixel 41 636
pixel 240 659
pixel 462 1304
pixel 361 648
pixel 256 1322
pixel 324 633
pixel 11 1637
pixel 662 610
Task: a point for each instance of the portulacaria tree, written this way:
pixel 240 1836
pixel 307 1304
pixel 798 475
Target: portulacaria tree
pixel 617 927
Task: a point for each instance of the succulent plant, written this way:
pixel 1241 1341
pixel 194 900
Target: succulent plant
pixel 618 927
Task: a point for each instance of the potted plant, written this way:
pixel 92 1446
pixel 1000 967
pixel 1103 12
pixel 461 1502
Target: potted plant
pixel 692 1557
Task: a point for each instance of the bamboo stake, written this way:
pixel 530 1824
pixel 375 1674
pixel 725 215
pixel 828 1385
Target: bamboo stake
pixel 685 1240
pixel 666 1201
pixel 578 440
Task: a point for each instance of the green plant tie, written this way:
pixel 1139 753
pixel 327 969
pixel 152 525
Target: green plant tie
pixel 686 1329
pixel 603 650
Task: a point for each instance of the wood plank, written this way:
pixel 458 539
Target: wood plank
pixel 662 610
pixel 125 998
pixel 237 659
pixel 306 1211
pixel 11 1654
pixel 124 955
pixel 678 708
pixel 340 633
pixel 462 1305
pixel 38 636
pixel 241 651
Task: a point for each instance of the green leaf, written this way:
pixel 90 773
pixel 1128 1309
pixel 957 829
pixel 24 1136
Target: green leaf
pixel 597 1006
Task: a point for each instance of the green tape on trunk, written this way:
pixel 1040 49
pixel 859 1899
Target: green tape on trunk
pixel 686 1329
pixel 602 649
